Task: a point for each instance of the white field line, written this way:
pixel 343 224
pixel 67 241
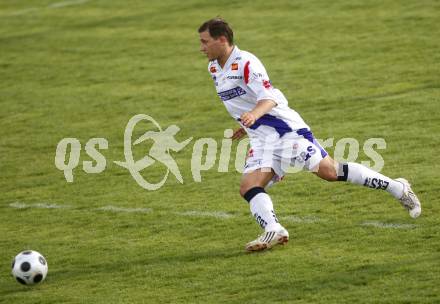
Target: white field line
pixel 24 11
pixel 300 219
pixel 215 214
pixel 389 225
pixel 209 214
pixel 50 6
pixel 21 205
pixel 67 3
pixel 18 205
pixel 125 210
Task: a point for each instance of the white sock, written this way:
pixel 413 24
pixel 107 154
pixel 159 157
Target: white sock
pixel 262 209
pixel 361 175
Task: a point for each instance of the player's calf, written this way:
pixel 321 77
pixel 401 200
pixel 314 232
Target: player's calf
pixel 361 175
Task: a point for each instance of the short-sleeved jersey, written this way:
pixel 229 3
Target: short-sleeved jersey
pixel 243 82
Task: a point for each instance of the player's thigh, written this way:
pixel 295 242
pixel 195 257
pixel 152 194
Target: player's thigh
pixel 256 178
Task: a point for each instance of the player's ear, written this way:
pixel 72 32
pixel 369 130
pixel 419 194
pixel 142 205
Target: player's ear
pixel 223 39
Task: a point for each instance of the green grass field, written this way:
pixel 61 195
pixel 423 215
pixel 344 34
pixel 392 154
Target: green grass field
pixel 82 69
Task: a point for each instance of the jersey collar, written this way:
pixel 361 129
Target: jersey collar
pixel 234 54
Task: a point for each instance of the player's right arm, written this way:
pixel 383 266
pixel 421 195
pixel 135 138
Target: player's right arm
pixel 263 106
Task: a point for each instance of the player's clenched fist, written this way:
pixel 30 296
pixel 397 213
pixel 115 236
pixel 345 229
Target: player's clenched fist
pixel 247 119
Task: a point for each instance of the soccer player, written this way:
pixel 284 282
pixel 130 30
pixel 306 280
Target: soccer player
pixel 278 135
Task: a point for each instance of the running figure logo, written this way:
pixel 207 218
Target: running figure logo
pixel 163 141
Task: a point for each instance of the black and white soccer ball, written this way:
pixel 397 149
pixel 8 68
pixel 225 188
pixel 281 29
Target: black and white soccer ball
pixel 29 267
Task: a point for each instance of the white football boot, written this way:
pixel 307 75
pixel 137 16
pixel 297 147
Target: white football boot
pixel 269 239
pixel 409 200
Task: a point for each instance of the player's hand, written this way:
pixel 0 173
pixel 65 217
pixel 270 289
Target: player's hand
pixel 239 133
pixel 247 119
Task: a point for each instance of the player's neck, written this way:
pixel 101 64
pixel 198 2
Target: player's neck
pixel 223 58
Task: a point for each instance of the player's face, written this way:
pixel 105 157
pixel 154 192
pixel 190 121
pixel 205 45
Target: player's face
pixel 211 47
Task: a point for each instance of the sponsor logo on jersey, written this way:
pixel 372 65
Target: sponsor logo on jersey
pixel 266 84
pixel 235 77
pixel 234 66
pixel 232 93
pixel 212 69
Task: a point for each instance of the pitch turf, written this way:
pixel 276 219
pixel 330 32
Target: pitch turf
pixel 82 69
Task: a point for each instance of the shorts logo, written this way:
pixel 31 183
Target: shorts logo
pixel 234 66
pixel 305 156
pixel 212 69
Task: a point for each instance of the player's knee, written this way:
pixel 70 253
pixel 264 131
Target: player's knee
pixel 246 188
pixel 328 172
pixel 243 189
pixel 330 175
pixel 250 192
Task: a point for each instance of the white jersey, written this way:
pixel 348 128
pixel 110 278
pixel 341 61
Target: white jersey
pixel 241 83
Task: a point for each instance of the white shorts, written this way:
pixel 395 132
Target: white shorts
pixel 295 151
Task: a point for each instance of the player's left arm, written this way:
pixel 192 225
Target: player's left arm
pixel 263 106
